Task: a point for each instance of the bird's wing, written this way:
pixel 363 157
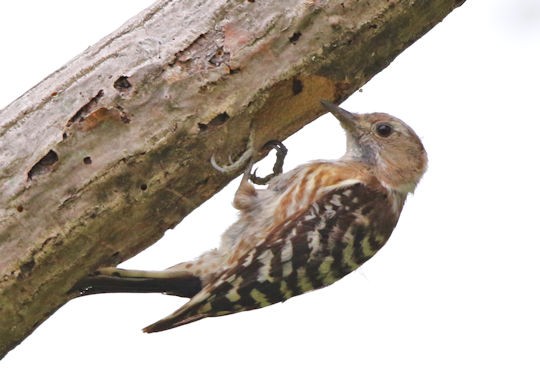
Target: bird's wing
pixel 312 249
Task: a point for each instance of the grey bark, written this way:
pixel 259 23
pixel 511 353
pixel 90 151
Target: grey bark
pixel 103 156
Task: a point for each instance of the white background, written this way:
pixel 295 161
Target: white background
pixel 455 293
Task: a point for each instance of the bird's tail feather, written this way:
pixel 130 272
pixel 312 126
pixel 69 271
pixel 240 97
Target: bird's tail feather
pixel 171 322
pixel 114 280
pixel 188 313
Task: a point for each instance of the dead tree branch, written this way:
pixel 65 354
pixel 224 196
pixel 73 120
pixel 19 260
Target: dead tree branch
pixel 111 150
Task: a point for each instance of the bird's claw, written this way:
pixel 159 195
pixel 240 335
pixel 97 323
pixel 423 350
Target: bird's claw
pixel 249 158
pixel 281 152
pixel 233 166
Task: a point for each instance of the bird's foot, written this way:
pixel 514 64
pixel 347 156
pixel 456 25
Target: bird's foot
pixel 248 158
pixel 281 152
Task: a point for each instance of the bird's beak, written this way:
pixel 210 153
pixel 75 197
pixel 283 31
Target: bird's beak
pixel 348 120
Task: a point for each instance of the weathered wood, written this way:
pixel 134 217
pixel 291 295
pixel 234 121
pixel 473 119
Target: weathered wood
pixel 111 150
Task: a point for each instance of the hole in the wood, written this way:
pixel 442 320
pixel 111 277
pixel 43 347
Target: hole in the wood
pixel 44 165
pixel 144 187
pixel 20 208
pixel 86 108
pixel 234 71
pixel 295 37
pixel 64 136
pixel 373 26
pixel 220 119
pixel 27 266
pixel 87 160
pixel 297 86
pixel 219 57
pixel 122 84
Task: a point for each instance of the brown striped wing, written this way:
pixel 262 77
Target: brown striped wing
pixel 313 249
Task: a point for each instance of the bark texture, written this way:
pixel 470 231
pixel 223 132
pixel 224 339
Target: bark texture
pixel 103 156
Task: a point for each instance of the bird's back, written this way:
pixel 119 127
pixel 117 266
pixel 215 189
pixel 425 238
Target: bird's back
pixel 311 249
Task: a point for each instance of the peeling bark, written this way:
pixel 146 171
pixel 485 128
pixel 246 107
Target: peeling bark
pixel 103 156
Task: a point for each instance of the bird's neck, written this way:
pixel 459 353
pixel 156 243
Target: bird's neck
pixel 379 180
pixel 397 180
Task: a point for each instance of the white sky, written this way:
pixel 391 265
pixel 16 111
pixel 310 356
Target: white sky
pixel 453 294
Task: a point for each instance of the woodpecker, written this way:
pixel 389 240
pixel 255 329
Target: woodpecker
pixel 306 229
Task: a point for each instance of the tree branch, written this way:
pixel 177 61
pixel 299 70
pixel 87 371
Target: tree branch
pixel 111 150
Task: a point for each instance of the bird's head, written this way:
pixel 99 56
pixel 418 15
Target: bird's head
pixel 386 144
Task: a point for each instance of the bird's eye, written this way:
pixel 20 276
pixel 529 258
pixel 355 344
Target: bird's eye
pixel 384 129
